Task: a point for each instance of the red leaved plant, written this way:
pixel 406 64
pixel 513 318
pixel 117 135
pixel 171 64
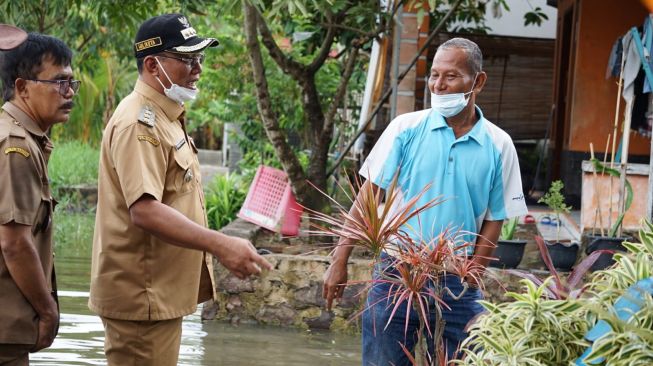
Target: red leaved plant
pixel 559 289
pixel 374 229
pixel 417 263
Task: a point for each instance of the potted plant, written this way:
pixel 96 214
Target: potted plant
pixel 609 241
pixel 563 255
pixel 509 251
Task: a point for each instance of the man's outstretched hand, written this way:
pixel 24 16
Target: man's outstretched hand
pixel 335 280
pixel 241 259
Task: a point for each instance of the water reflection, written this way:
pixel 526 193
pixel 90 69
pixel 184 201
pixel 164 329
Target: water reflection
pixel 81 336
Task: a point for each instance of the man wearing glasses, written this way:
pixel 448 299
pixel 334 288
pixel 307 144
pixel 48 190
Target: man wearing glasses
pixel 38 89
pixel 152 253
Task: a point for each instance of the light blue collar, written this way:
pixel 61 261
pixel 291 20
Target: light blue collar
pixel 437 121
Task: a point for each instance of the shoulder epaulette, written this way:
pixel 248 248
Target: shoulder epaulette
pixel 146 116
pixel 17 130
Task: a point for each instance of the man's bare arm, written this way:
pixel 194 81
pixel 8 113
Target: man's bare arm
pixel 335 277
pixel 236 254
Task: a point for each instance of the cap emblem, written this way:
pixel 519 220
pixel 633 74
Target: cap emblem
pixel 184 22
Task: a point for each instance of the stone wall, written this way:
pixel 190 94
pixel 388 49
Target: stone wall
pixel 289 295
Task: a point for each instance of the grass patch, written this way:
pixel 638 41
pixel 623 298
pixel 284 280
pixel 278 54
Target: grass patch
pixel 73 233
pixel 73 163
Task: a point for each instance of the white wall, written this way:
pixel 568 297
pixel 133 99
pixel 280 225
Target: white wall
pixel 511 23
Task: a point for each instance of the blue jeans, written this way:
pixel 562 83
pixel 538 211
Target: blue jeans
pixel 382 346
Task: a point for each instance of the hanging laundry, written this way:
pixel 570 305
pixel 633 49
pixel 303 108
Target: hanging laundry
pixel 636 86
pixel 614 62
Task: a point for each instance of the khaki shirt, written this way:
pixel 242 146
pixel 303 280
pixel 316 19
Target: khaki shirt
pixel 25 199
pixel 134 275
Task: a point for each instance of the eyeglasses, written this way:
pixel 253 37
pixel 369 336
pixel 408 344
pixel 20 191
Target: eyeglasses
pixel 64 85
pixel 189 61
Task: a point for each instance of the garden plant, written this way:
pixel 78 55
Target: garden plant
pixel 420 264
pixel 549 322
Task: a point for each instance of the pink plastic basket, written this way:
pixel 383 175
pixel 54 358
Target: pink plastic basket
pixel 270 202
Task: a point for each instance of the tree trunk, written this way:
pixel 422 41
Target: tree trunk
pixel 274 132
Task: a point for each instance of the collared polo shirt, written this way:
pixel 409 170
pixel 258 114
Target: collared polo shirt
pixel 477 174
pixel 25 199
pixel 134 275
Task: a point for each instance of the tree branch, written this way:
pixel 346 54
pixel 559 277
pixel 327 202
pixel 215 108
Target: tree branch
pixel 323 53
pixel 275 134
pixel 84 42
pixel 340 92
pixel 368 35
pixel 287 64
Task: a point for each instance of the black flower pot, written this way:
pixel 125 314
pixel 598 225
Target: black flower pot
pixel 563 256
pixel 508 253
pixel 605 260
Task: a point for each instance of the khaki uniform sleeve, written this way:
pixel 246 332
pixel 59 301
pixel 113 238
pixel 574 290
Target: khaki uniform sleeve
pixel 140 161
pixel 20 184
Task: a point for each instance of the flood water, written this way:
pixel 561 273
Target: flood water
pixel 81 336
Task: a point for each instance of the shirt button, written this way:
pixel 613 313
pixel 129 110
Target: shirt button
pixel 450 158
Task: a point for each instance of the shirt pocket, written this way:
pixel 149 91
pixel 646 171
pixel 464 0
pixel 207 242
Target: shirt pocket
pixel 43 219
pixel 184 175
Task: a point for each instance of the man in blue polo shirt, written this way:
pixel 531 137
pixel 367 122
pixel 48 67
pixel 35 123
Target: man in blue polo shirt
pixel 469 161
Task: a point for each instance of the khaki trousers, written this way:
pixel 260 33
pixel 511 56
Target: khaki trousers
pixel 14 354
pixel 142 343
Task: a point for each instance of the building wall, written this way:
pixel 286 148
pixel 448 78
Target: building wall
pixel 594 97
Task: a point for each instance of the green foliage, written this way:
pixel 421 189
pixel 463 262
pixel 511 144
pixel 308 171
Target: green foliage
pixel 508 229
pixel 556 202
pixel 535 330
pixel 629 342
pixel 73 232
pixel 535 17
pixel 73 163
pixel 101 35
pixel 91 27
pixel 554 198
pixel 100 92
pixel 531 330
pixel 224 197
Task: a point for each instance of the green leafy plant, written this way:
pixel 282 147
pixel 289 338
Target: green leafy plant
pixel 224 197
pixel 628 342
pixel 531 330
pixel 508 229
pixel 556 202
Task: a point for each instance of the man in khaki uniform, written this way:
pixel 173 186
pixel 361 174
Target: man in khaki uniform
pixel 152 253
pixel 38 89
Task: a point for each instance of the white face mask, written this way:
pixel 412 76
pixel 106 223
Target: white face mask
pixel 449 105
pixel 176 92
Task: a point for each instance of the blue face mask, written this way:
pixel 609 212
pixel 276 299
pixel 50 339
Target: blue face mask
pixel 449 105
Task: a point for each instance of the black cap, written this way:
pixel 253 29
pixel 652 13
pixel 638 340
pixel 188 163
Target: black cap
pixel 169 32
pixel 11 37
